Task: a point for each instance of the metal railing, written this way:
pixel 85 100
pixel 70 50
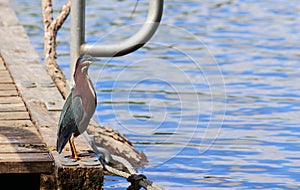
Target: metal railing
pixel 77 37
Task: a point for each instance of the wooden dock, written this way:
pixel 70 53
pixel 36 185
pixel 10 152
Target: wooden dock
pixel 22 150
pixel 30 106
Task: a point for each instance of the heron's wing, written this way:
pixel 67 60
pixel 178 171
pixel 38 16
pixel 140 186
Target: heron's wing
pixel 67 124
pixel 66 108
pixel 78 110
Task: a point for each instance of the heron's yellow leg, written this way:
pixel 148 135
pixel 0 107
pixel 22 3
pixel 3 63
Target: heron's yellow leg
pixel 73 149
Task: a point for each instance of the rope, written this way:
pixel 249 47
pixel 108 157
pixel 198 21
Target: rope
pixel 137 180
pixel 145 183
pixel 124 162
pixel 116 171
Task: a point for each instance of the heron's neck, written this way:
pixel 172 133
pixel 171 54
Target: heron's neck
pixel 85 89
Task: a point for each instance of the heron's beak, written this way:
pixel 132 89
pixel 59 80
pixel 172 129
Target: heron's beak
pixel 89 62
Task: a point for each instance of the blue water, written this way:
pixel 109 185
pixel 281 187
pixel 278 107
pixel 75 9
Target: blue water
pixel 213 99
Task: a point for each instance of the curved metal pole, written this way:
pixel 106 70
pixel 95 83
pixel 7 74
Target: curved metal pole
pixel 134 42
pixel 77 32
pixel 78 47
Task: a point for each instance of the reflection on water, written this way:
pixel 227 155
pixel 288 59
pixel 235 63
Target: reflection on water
pixel 212 99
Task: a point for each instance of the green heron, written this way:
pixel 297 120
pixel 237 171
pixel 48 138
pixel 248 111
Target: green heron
pixel 79 107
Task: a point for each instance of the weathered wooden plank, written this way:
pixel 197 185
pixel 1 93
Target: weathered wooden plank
pixel 6 86
pixel 26 163
pixel 19 157
pixel 4 73
pixel 20 138
pixel 22 148
pixel 2 67
pixel 10 100
pixel 5 77
pixel 14 116
pixel 14 130
pixel 5 80
pixel 7 93
pixel 27 124
pixel 14 107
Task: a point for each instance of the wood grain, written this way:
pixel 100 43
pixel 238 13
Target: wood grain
pixel 14 116
pixel 28 162
pixel 7 86
pixel 11 100
pixel 13 107
pixel 7 93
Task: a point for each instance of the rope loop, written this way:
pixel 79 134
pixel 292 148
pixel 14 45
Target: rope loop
pixel 135 179
pixel 105 157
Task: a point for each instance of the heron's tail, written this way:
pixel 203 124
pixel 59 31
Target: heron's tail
pixel 61 142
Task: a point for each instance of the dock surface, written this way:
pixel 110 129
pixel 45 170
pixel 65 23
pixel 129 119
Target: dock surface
pixel 21 147
pixel 30 106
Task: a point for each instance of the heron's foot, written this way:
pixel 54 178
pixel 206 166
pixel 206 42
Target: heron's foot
pixel 76 157
pixel 84 155
pixel 79 156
